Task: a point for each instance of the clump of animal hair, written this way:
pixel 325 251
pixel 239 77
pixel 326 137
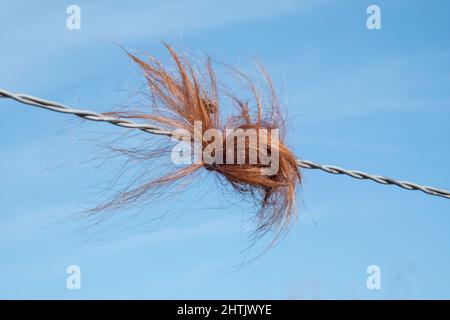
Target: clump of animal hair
pixel 191 92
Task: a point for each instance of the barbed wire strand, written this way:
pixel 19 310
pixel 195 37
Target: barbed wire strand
pixel 125 123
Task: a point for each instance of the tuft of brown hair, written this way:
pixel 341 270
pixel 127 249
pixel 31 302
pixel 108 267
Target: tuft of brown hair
pixel 190 93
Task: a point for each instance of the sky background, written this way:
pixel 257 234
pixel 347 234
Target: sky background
pixel 373 100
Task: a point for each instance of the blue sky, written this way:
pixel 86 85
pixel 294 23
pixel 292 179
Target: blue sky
pixel 374 100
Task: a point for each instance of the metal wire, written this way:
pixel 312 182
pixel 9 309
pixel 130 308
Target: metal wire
pixel 94 116
pixel 379 179
pixel 85 114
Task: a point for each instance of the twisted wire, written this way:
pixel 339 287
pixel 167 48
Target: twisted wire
pixel 377 178
pixel 85 114
pixel 125 123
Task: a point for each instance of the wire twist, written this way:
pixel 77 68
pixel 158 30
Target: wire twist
pixel 125 123
pixel 379 179
pixel 85 114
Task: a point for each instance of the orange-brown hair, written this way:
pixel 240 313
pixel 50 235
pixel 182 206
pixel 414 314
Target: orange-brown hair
pixel 191 94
